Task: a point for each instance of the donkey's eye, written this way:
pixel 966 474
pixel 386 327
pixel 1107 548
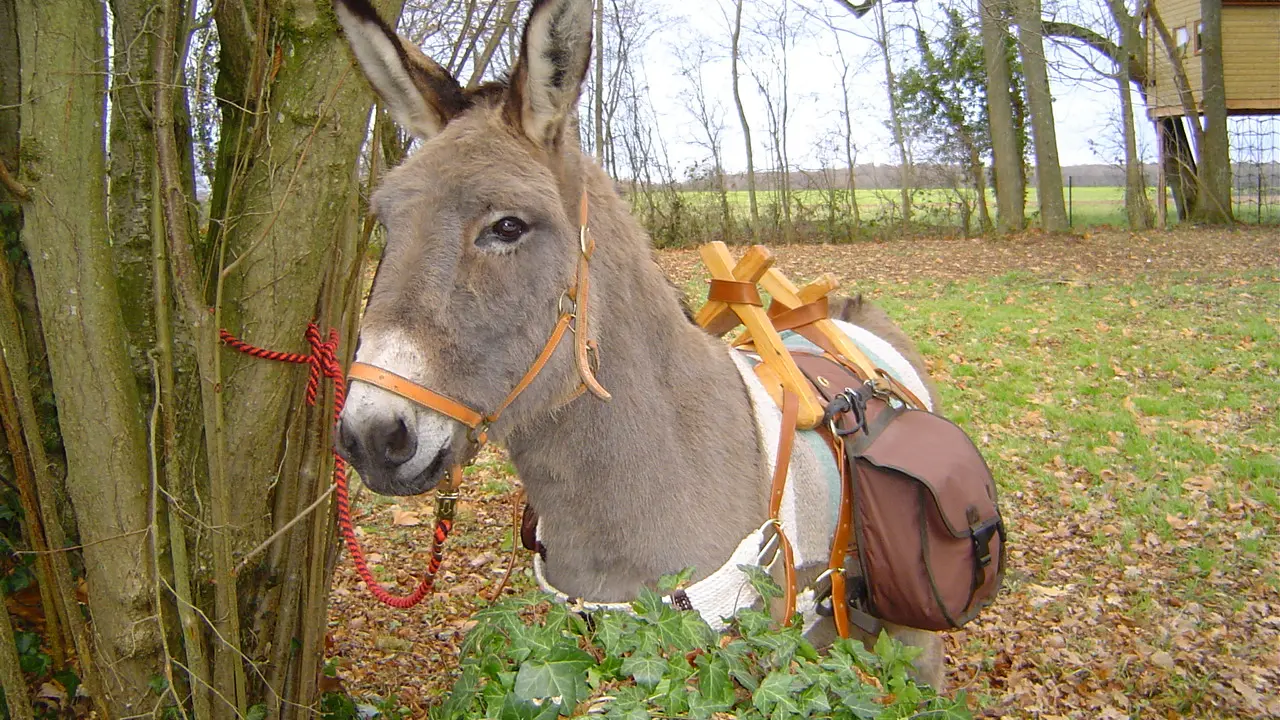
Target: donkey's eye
pixel 509 229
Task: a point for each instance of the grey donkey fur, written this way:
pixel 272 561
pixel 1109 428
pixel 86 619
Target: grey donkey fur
pixel 482 243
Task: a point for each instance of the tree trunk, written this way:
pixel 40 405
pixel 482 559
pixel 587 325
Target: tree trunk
pixel 784 41
pixel 598 99
pixel 65 234
pixel 1053 210
pixel 1136 206
pixel 1179 165
pixel 742 117
pixel 289 254
pixel 132 164
pixel 1137 209
pixel 1214 204
pixel 17 699
pixel 1005 147
pixel 977 178
pixel 895 120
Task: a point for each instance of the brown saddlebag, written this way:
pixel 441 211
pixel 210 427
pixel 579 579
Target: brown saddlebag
pixel 929 539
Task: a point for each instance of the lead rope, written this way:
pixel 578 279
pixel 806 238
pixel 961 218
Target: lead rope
pixel 324 363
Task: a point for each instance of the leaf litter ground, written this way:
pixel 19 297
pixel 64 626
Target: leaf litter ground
pixel 1124 389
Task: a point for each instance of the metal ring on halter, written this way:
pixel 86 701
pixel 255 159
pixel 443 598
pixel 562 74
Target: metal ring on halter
pixel 770 544
pixel 573 305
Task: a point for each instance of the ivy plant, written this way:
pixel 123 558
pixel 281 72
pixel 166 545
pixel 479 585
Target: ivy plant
pixel 529 658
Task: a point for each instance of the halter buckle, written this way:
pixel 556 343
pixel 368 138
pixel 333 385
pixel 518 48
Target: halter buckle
pixel 478 435
pixel 446 505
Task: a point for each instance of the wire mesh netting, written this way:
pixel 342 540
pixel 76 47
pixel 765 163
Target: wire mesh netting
pixel 1255 168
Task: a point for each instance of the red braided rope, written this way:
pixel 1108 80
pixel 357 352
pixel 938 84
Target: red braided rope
pixel 324 363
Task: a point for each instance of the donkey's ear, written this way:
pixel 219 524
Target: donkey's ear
pixel 422 96
pixel 553 61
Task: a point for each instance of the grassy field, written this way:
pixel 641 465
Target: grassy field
pixel 820 212
pixel 1124 390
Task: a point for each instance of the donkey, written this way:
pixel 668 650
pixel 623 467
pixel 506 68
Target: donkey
pixel 483 244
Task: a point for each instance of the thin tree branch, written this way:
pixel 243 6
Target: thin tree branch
pixel 14 187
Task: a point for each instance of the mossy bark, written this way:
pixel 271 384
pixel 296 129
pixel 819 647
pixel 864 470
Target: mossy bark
pixel 102 427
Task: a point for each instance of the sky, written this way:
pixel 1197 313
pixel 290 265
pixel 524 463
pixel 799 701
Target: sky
pixel 1085 113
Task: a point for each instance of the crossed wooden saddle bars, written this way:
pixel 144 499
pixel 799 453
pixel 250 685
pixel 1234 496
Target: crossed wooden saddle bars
pixel 734 300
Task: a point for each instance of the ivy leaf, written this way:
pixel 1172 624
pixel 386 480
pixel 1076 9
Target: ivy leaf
pixel 813 702
pixel 713 682
pixel 697 630
pixel 629 703
pixel 861 701
pixel 669 583
pixel 562 680
pixel 628 709
pixel 649 604
pixel 464 690
pixel 734 656
pixel 513 708
pixel 646 669
pixel 781 646
pixel 762 582
pixel 773 697
pixel 613 634
pixel 256 712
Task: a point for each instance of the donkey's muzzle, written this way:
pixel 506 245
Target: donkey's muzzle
pixel 381 448
pixel 385 441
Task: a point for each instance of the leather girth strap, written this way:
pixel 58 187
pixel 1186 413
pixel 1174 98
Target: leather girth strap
pixel 840 543
pixel 733 292
pixel 786 439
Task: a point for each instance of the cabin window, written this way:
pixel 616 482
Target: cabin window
pixel 1182 36
pixel 1196 37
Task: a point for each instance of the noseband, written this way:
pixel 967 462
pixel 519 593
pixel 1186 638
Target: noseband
pixel 573 317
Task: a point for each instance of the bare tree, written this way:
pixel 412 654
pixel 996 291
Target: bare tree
pixel 895 119
pixel 1215 199
pixel 709 115
pixel 850 148
pixel 198 477
pixel 1005 147
pixel 1053 209
pixel 775 37
pixel 735 55
pixel 1123 63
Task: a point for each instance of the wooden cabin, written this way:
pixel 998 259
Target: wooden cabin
pixel 1250 56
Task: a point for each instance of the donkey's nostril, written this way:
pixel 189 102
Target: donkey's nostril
pixel 348 442
pixel 398 444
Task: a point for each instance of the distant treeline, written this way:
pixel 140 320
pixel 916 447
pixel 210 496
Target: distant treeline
pixel 885 177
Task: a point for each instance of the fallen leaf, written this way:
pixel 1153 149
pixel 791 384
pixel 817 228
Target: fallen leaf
pixel 404 518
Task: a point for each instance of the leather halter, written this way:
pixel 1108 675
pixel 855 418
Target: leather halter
pixel 573 317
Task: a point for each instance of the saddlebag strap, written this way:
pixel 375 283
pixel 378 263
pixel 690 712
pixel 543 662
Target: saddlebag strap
pixel 840 542
pixel 410 390
pixel 786 438
pixel 733 292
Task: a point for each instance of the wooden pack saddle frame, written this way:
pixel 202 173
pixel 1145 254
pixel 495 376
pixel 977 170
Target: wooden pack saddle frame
pixel 734 300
